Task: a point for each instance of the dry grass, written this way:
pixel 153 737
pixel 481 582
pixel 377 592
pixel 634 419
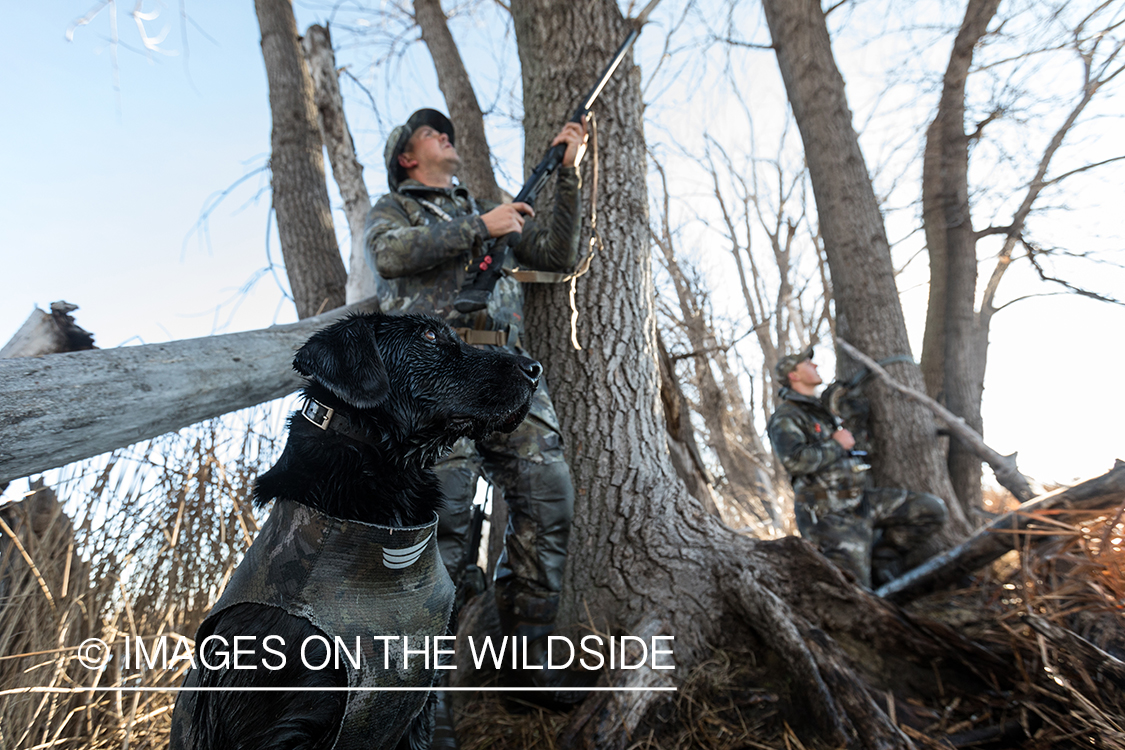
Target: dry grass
pixel 137 544
pixel 1059 693
pixel 487 721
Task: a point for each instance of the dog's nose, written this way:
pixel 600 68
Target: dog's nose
pixel 531 369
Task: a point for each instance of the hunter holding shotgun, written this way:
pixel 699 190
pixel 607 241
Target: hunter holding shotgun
pixel 445 254
pixel 420 237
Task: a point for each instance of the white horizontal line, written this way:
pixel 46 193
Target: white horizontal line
pixel 338 689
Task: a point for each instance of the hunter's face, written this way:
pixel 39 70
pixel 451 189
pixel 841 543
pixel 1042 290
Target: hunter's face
pixel 430 149
pixel 805 373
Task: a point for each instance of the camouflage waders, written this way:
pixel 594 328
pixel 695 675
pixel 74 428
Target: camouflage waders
pixel 352 580
pixel 419 240
pixel 529 467
pixel 874 537
pixel 869 531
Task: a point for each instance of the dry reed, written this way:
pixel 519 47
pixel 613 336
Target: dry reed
pixel 135 544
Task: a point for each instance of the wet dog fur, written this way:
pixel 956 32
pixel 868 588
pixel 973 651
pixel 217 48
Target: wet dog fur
pixel 414 388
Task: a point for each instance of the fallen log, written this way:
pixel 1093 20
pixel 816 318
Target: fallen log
pixel 1001 535
pixel 66 407
pixel 47 333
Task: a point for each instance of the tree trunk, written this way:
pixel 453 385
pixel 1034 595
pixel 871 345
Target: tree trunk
pixel 346 169
pixel 607 394
pixel 644 555
pixel 868 312
pixel 67 407
pixel 464 110
pixel 952 368
pixel 300 196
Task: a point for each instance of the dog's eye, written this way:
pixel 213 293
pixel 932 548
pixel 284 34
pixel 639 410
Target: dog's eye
pixel 429 335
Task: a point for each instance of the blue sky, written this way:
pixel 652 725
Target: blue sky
pixel 100 191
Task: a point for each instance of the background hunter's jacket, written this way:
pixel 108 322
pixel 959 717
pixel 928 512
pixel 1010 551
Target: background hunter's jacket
pixel 801 433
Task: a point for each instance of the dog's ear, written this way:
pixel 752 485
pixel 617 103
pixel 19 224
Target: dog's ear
pixel 345 359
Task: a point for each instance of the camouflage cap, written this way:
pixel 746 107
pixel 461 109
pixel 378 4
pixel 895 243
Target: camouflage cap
pixel 789 363
pixel 400 136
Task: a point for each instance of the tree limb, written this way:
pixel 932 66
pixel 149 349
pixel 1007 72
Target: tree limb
pixel 740 43
pixel 999 537
pixel 66 407
pixel 1032 251
pixel 1004 466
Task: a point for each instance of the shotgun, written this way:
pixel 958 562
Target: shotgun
pixel 483 272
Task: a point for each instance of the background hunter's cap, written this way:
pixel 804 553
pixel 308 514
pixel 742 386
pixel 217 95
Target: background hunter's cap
pixel 789 363
pixel 400 136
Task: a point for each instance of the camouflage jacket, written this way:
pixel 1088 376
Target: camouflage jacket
pixel 422 256
pixel 355 581
pixel 801 433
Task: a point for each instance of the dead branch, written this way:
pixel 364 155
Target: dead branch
pixel 346 169
pixel 1005 467
pixel 1095 661
pixel 44 333
pixel 1002 535
pixel 66 407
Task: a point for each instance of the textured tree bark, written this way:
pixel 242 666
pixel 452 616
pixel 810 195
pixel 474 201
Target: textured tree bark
pixel 682 446
pixel 300 196
pixel 868 312
pixel 464 110
pixel 952 367
pixel 607 394
pixel 66 407
pixel 346 169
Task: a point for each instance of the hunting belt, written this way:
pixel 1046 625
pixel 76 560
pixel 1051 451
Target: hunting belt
pixel 820 494
pixel 474 337
pixel 540 277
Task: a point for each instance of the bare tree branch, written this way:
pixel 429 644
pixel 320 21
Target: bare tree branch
pixel 1004 466
pixel 1033 251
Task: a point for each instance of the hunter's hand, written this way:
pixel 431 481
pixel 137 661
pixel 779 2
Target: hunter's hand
pixel 574 136
pixel 506 218
pixel 844 438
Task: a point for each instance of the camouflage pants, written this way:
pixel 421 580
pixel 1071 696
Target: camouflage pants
pixel 876 539
pixel 529 467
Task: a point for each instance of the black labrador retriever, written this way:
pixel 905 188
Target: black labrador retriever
pixel 347 563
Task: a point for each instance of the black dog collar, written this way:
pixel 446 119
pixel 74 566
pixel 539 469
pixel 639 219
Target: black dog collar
pixel 329 419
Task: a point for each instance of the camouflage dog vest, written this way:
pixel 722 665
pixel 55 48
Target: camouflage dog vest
pixel 350 579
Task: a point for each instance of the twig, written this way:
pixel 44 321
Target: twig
pixel 30 563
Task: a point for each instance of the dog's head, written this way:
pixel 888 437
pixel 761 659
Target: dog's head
pixel 415 378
